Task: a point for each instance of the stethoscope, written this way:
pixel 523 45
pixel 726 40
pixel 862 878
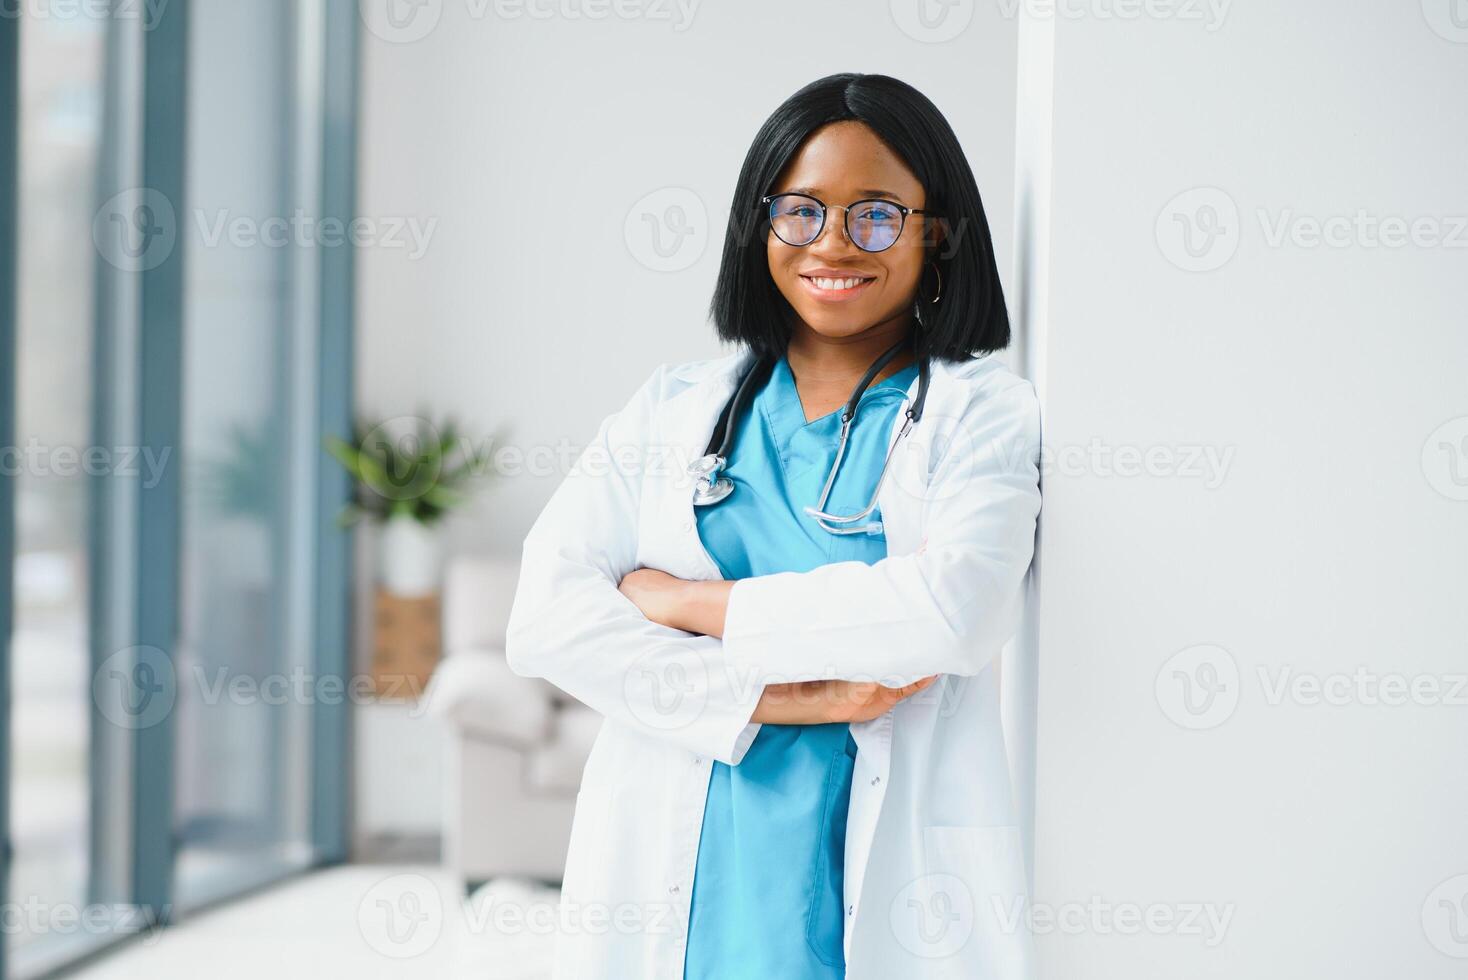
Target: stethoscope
pixel 713 486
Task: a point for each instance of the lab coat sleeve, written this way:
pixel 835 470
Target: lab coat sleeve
pixel 570 625
pixel 948 608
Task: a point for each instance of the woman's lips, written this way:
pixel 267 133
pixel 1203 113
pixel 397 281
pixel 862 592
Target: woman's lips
pixel 832 289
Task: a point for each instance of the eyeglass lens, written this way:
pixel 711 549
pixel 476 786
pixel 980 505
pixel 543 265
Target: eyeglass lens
pixel 871 225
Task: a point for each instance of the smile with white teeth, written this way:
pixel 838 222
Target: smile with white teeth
pixel 822 282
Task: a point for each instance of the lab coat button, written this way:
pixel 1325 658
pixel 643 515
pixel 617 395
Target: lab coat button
pixel 876 780
pixel 851 910
pixel 672 889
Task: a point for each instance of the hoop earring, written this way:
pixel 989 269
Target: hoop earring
pixel 937 272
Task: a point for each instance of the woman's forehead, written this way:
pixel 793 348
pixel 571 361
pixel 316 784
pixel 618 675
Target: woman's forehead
pixel 848 159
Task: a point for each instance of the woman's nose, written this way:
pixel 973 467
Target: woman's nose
pixel 833 239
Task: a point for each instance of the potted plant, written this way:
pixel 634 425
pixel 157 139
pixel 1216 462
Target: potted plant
pixel 409 474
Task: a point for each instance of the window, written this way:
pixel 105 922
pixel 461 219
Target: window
pixel 172 352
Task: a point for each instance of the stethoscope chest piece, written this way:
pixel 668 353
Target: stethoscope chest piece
pixel 710 488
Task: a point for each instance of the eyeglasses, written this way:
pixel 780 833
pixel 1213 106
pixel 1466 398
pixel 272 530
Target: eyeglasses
pixel 872 225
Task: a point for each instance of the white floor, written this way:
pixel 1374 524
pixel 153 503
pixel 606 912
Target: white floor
pixel 359 921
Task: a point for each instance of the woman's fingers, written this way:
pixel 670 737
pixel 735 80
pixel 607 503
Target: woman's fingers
pixel 883 699
pixel 892 695
pixel 822 702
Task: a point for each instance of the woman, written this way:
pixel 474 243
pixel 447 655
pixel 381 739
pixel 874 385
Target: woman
pixel 794 640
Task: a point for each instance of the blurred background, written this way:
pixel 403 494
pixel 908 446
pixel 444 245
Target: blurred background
pixel 307 305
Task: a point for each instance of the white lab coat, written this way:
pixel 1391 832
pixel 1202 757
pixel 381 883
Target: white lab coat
pixel 934 875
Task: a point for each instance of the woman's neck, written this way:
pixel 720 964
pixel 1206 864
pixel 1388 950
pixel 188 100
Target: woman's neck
pixel 826 369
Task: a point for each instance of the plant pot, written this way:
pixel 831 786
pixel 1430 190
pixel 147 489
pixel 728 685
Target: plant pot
pixel 409 557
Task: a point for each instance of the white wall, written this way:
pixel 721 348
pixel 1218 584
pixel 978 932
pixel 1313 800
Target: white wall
pixel 1332 540
pixel 1322 537
pixel 531 142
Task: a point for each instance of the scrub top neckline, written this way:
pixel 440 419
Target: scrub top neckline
pixel 899 380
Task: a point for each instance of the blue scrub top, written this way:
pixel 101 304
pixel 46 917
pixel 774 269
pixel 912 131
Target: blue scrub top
pixel 767 888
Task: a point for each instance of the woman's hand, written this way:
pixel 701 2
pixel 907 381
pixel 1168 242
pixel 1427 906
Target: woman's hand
pixel 700 607
pixel 826 702
pixel 691 606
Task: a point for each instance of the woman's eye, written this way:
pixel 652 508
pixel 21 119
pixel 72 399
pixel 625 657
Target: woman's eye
pixel 877 214
pixel 804 211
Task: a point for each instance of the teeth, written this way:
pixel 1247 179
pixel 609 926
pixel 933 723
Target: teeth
pixel 823 283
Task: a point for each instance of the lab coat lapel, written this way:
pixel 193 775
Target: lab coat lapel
pixel 684 425
pixel 689 417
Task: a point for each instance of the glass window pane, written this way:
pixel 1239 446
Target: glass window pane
pixel 61 70
pixel 242 739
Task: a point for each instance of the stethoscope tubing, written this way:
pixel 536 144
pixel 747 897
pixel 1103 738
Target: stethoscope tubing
pixel 712 487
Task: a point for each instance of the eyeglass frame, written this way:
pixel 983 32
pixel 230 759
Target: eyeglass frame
pixel 845 217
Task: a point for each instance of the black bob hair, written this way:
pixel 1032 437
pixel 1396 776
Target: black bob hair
pixel 970 317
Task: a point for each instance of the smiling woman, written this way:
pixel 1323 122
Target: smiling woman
pixel 764 643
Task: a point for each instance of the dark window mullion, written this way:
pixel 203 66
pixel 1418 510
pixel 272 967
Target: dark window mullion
pixel 9 160
pixel 160 390
pixel 333 606
pixel 112 425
